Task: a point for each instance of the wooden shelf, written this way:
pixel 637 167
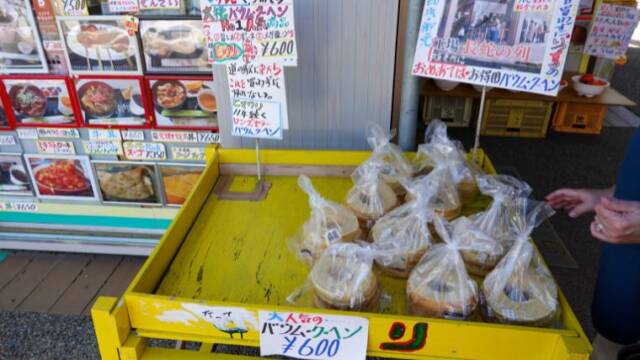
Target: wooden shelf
pixel 609 97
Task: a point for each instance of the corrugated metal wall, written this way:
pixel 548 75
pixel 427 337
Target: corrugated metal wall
pixel 344 77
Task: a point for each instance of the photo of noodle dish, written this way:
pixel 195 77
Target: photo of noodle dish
pixel 118 102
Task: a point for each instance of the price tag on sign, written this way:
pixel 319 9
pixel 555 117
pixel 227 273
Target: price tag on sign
pixel 313 336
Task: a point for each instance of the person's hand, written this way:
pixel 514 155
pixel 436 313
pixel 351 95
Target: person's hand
pixel 617 221
pixel 576 201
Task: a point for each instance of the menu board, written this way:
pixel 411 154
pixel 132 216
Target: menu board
pixel 250 31
pixel 174 47
pixel 62 177
pixel 112 101
pixel 14 179
pixel 20 46
pixel 127 182
pixel 188 103
pixel 258 100
pixel 611 31
pixel 99 45
pixel 513 44
pixel 40 101
pixel 178 181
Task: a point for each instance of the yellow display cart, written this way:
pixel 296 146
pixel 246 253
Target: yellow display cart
pixel 221 261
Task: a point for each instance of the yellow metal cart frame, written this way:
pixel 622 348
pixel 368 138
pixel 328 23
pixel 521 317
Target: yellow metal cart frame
pixel 181 275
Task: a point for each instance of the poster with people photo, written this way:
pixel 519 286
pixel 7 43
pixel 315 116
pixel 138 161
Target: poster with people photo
pixel 176 46
pixel 128 182
pixel 512 44
pixel 20 46
pixel 183 102
pixel 14 178
pixel 62 177
pixel 99 45
pixel 112 102
pixel 40 100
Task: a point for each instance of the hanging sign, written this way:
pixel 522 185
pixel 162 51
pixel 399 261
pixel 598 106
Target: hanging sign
pixel 249 30
pixel 103 147
pixel 511 44
pixel 7 140
pixel 258 100
pixel 611 31
pixel 55 147
pixel 104 134
pixel 135 150
pixel 187 153
pixel 313 336
pixel 58 133
pixel 134 135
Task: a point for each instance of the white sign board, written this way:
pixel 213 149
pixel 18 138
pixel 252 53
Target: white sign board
pixel 245 31
pixel 313 336
pixel 515 44
pixel 258 100
pixel 611 31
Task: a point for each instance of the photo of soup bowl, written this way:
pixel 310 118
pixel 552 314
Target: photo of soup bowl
pixel 169 94
pixel 28 100
pixel 207 100
pixel 98 99
pixel 18 175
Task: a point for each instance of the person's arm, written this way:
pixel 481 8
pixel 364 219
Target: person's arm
pixel 577 201
pixel 617 221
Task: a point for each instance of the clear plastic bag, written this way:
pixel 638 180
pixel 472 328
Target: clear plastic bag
pixel 394 167
pixel 329 223
pixel 479 251
pixel 401 237
pixel 439 151
pixel 521 290
pixel 497 220
pixel 439 286
pixel 445 200
pixel 342 279
pixel 370 197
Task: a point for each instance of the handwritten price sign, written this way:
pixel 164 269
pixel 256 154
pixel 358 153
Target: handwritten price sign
pixel 104 134
pixel 133 135
pixel 187 153
pixel 208 138
pixel 159 4
pixel 135 150
pixel 58 133
pixel 27 133
pixel 313 336
pixel 19 206
pixel 174 136
pixel 102 147
pixel 56 147
pixel 7 140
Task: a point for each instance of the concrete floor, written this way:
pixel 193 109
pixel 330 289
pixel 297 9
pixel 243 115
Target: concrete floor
pixel 560 160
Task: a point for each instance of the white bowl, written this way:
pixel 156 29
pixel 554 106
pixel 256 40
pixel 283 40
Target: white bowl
pixel 586 89
pixel 478 88
pixel 133 105
pixel 64 110
pixel 446 85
